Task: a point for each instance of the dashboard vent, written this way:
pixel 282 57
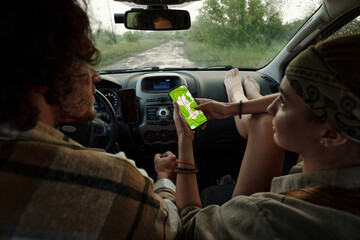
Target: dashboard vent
pixel 267 79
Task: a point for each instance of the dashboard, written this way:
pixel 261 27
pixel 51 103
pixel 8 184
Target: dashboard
pixel 144 112
pixel 142 101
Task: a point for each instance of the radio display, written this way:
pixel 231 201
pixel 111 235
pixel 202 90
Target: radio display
pixel 161 85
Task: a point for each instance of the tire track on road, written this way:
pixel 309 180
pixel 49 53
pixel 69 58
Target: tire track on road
pixel 170 54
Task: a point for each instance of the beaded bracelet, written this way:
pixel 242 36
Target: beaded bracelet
pixel 186 170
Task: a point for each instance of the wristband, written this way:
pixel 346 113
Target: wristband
pixel 190 164
pixel 240 109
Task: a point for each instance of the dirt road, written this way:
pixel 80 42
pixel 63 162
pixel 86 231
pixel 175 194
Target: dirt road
pixel 170 54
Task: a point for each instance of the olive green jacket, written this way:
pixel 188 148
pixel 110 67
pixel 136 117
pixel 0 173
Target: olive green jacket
pixel 275 216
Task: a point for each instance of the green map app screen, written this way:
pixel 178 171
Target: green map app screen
pixel 186 102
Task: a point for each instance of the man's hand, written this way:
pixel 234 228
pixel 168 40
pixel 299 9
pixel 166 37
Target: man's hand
pixel 165 165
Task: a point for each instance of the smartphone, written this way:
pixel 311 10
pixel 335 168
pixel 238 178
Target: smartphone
pixel 129 106
pixel 183 97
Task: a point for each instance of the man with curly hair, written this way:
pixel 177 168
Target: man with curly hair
pixel 51 187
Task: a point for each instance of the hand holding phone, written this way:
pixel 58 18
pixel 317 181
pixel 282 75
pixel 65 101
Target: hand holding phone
pixel 183 97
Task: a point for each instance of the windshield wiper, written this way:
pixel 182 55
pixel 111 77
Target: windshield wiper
pixel 228 67
pixel 147 69
pixel 129 70
pixel 225 67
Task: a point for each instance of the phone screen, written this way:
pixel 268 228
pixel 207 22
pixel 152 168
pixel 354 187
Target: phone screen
pixel 186 102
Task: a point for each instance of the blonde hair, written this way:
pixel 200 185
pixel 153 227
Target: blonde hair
pixel 347 200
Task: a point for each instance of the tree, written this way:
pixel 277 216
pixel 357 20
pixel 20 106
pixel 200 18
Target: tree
pixel 351 28
pixel 106 37
pixel 237 21
pixel 131 36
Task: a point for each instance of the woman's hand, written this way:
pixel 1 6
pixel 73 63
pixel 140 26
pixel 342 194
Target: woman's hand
pixel 182 128
pixel 187 191
pixel 215 110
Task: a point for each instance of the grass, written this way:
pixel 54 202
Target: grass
pixel 113 52
pixel 236 56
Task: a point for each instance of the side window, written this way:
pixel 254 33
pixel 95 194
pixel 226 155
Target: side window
pixel 351 28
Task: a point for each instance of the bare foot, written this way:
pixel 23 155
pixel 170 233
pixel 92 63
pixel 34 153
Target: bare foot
pixel 233 85
pixel 235 91
pixel 252 88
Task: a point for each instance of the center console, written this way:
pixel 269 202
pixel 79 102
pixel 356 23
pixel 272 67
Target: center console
pixel 157 124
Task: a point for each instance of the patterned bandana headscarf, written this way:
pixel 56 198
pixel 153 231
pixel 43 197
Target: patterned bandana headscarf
pixel 325 94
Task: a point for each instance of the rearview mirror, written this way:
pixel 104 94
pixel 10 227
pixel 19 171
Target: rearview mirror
pixel 145 19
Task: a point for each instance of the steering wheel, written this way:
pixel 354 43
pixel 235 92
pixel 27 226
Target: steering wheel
pixel 89 133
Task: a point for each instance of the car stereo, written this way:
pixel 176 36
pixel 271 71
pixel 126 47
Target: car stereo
pixel 157 124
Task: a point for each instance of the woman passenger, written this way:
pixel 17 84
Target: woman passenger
pixel 317 115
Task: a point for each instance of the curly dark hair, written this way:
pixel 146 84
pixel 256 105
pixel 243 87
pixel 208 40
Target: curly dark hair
pixel 42 41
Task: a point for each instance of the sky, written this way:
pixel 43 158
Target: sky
pixel 104 11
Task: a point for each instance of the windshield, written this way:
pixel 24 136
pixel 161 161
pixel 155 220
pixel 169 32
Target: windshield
pixel 237 33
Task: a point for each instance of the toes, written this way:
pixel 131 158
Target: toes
pixel 232 73
pixel 236 72
pixel 252 81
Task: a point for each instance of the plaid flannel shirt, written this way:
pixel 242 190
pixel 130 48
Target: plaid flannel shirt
pixel 53 188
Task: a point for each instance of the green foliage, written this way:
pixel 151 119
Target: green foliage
pixel 129 43
pixel 244 33
pixel 112 52
pixel 132 36
pixel 351 28
pixel 237 22
pixel 246 56
pixel 106 36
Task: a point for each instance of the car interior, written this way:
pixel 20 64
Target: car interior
pixel 135 110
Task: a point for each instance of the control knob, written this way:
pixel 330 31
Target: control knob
pixel 163 113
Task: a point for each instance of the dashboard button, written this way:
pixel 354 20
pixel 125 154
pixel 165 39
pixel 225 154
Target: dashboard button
pixel 165 136
pixel 151 109
pixel 151 117
pixel 150 136
pixel 164 123
pixel 162 99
